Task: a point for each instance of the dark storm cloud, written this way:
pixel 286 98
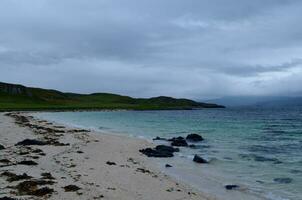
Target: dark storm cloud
pixel 187 48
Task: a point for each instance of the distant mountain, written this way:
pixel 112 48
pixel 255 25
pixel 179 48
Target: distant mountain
pixel 282 102
pixel 19 97
pixel 258 101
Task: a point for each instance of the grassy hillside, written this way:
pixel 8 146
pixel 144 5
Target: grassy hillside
pixel 18 97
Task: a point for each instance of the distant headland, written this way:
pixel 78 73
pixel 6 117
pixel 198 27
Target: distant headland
pixel 18 97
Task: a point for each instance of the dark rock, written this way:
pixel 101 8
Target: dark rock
pixel 56 143
pixel 1 147
pixel 77 130
pixel 80 152
pixel 6 161
pixel 199 159
pixel 166 148
pixel 42 191
pixel 179 142
pixel 168 166
pixel 283 180
pixel 59 126
pixel 110 163
pixel 31 187
pixel 27 162
pixel 71 188
pixel 37 151
pixel 159 138
pixel 156 153
pixel 7 198
pixel 231 187
pixel 47 175
pixel 176 138
pixel 194 137
pixel 14 177
pixel 142 170
pixel 27 142
pixel 26 187
pixel 193 146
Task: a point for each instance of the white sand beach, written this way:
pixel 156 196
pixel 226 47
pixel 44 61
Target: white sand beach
pixel 101 166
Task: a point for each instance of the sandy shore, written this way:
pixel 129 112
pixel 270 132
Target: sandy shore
pixel 93 165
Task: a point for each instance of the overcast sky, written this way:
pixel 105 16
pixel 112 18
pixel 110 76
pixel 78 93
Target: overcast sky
pixel 183 48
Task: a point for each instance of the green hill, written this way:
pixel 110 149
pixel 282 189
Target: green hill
pixel 19 97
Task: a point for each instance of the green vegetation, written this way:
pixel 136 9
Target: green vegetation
pixel 18 97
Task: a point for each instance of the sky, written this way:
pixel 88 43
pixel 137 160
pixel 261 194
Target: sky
pixel 183 48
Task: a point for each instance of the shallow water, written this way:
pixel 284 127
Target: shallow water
pixel 258 149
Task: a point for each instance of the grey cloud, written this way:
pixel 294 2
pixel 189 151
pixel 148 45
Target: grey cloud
pixel 146 48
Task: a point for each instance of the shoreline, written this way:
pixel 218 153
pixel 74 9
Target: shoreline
pixel 102 166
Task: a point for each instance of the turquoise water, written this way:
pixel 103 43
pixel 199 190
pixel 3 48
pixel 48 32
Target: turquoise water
pixel 258 149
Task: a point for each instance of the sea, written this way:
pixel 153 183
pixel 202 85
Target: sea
pixel 258 149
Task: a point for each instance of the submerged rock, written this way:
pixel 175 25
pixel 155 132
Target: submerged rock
pixel 265 159
pixel 168 166
pixel 27 142
pixel 231 187
pixel 295 171
pixel 194 137
pixel 178 141
pixel 199 159
pixel 283 180
pixel 258 158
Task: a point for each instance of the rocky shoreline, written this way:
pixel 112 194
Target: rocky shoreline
pixel 43 160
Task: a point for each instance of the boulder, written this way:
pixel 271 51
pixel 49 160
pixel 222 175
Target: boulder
pixel 178 141
pixel 2 147
pixel 166 148
pixel 194 137
pixel 156 153
pixel 199 159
